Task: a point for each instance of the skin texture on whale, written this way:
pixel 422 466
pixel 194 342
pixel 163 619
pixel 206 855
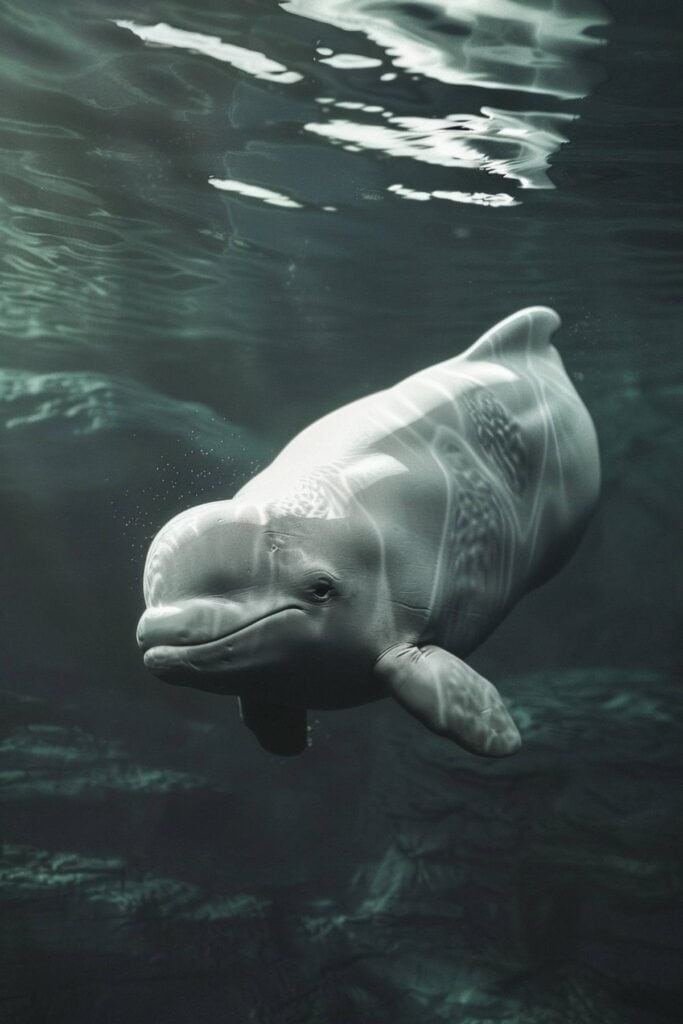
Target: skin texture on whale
pixel 382 545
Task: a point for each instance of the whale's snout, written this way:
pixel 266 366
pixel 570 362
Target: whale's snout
pixel 223 653
pixel 156 624
pixel 195 621
pixel 190 622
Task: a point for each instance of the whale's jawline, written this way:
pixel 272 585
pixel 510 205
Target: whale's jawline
pixel 206 646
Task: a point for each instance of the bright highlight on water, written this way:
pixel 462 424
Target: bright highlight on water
pixel 548 59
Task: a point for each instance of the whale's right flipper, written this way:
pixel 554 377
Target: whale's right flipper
pixel 278 729
pixel 450 698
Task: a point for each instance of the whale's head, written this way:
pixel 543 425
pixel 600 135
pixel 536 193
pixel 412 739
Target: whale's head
pixel 276 609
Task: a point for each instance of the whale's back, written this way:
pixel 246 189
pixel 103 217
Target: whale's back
pixel 513 369
pixel 525 334
pixel 509 412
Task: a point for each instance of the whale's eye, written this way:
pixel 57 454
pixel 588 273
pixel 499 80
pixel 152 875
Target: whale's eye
pixel 322 589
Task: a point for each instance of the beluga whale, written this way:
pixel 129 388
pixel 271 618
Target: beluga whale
pixel 381 546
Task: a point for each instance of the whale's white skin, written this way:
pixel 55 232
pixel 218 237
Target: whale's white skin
pixel 382 545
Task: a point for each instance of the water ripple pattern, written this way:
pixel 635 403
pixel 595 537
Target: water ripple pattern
pixel 536 47
pixel 136 153
pixel 511 46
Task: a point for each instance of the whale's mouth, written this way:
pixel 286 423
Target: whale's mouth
pixel 255 642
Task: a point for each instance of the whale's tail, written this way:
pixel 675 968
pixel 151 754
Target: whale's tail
pixel 525 333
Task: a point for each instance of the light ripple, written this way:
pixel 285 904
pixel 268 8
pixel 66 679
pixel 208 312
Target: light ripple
pixel 537 47
pixel 239 57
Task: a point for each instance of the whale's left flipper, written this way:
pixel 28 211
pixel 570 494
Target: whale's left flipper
pixel 450 698
pixel 278 729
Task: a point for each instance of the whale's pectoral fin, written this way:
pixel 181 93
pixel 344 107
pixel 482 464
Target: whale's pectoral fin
pixel 278 729
pixel 450 698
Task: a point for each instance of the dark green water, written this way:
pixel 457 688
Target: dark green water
pixel 164 332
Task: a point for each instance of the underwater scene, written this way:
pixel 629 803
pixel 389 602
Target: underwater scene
pixel 221 221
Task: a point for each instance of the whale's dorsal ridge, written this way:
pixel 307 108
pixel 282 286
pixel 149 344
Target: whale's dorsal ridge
pixel 526 332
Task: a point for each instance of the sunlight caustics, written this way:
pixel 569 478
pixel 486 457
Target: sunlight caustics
pixel 513 45
pixel 263 195
pixel 535 48
pixel 474 198
pixel 255 192
pixel 346 60
pixel 250 61
pixel 516 146
pixel 494 44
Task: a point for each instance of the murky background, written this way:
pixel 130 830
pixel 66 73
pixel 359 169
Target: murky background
pixel 219 222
